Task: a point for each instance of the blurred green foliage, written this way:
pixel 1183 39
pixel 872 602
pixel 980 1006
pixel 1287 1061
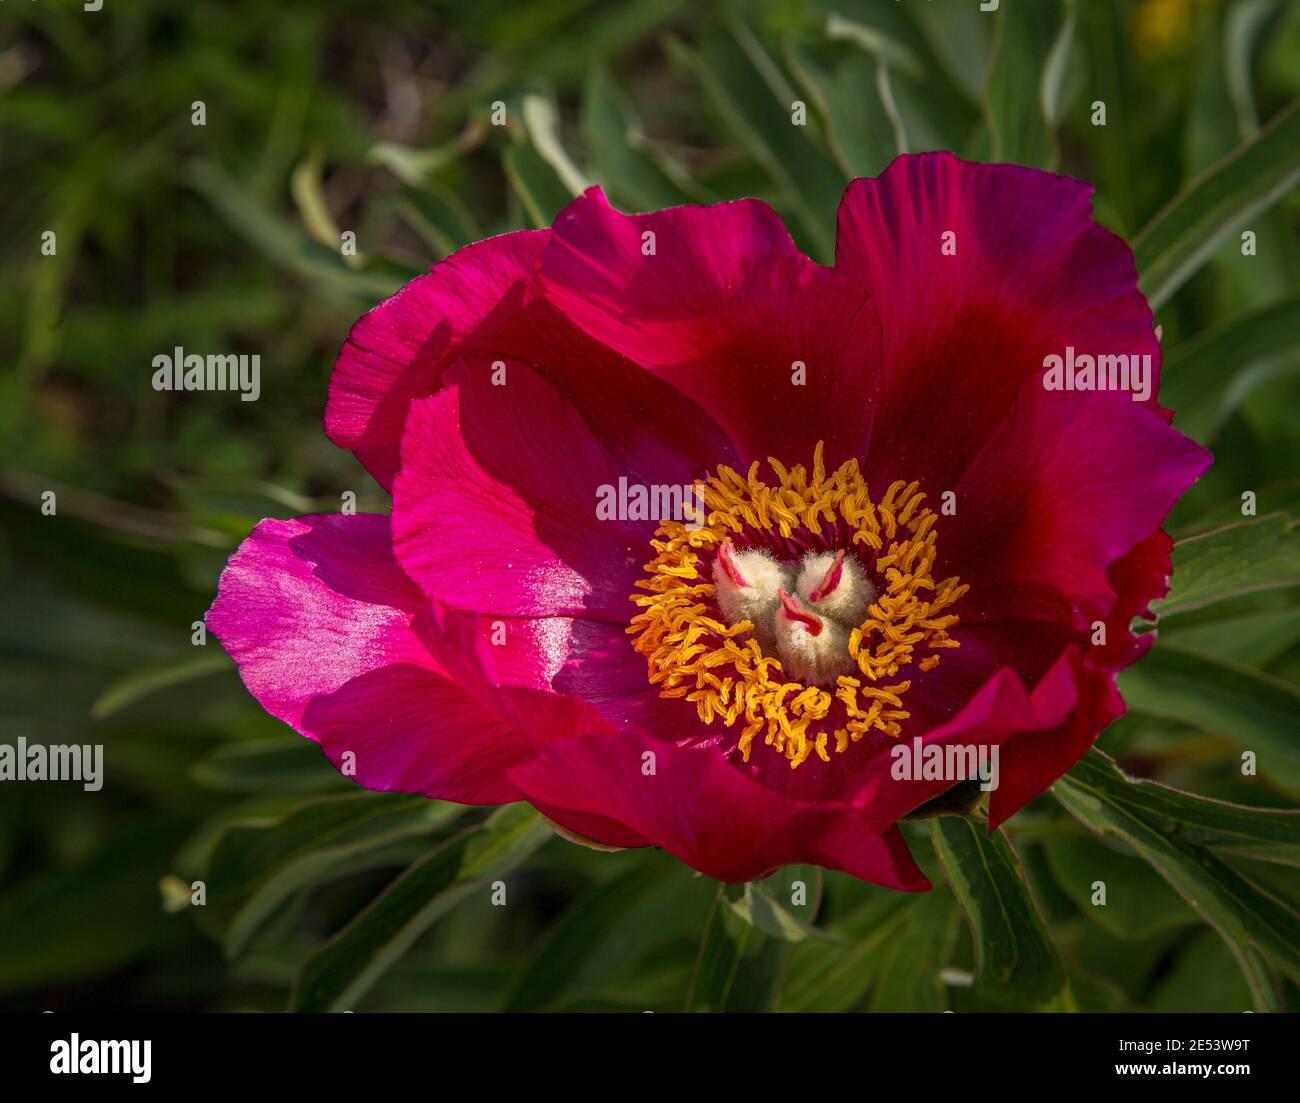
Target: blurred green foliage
pixel 376 118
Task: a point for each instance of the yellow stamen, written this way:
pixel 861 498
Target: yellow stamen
pixel 690 653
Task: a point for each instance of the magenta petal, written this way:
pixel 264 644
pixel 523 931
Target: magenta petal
pixel 305 605
pixel 495 508
pixel 406 729
pixel 319 618
pixel 397 352
pixel 483 305
pixel 703 810
pixel 719 302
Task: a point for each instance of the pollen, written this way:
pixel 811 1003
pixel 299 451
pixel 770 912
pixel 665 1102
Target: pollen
pixel 811 672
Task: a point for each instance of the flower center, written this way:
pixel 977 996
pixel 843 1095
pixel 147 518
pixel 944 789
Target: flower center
pixel 788 608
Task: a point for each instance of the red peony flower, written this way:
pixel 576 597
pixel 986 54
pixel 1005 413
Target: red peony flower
pixel 689 532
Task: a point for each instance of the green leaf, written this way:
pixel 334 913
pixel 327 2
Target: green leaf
pixel 412 166
pixel 1243 23
pixel 1139 903
pixel 961 37
pixel 737 966
pixel 1264 989
pixel 886 49
pixel 268 765
pixel 542 121
pixel 759 906
pixel 1206 976
pixel 1105 27
pixel 824 976
pixel 1185 234
pixel 1279 496
pixel 257 868
pixel 439 216
pixel 925 105
pixel 1033 41
pixel 1262 553
pixel 1205 380
pixel 750 92
pixel 1264 834
pixel 606 933
pixel 335 976
pixel 541 191
pixel 614 137
pixel 141 683
pixel 1016 962
pixel 307 186
pixel 1242 631
pixel 283 242
pixel 913 959
pixel 67 926
pixel 597 34
pixel 846 95
pixel 1056 75
pixel 251 846
pixel 1257 712
pixel 889 58
pixel 1239 910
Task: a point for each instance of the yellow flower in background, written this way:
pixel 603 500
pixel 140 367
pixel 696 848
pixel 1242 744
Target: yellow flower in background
pixel 1164 27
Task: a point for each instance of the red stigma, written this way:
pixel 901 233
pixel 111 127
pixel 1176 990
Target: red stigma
pixel 793 612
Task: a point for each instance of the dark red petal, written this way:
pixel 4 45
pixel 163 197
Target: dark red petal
pixel 409 730
pixel 1032 273
pixel 703 810
pixel 483 305
pixel 723 309
pixel 1062 491
pixel 1000 710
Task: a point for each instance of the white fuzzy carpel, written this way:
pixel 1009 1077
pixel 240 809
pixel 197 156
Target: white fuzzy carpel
pixel 849 601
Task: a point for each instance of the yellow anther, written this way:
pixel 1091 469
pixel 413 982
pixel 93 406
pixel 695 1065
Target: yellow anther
pixel 722 669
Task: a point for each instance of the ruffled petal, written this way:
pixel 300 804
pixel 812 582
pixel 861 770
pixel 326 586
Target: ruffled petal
pixel 306 605
pixel 406 729
pixel 720 303
pixel 1032 272
pixel 1063 490
pixel 1035 761
pixel 397 352
pixel 482 306
pixel 888 786
pixel 1032 761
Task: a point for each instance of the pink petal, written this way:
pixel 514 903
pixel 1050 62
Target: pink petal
pixel 306 605
pixel 407 729
pixel 319 618
pixel 495 508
